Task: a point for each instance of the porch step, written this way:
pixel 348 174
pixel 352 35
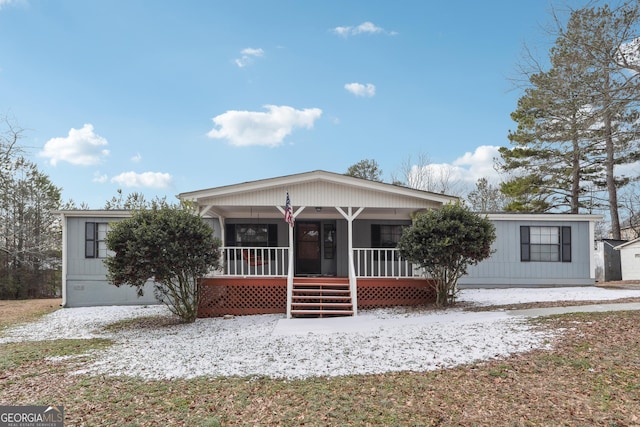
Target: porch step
pixel 325 313
pixel 321 297
pixel 321 304
pixel 307 291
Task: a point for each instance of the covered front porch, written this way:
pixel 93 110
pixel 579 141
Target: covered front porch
pixel 336 256
pixel 381 279
pixel 313 277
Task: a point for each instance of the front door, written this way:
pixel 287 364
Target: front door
pixel 308 245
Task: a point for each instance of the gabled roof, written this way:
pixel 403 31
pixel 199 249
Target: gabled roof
pixel 317 188
pixel 629 243
pixel 314 176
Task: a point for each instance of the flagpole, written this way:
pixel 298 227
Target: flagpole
pixel 288 217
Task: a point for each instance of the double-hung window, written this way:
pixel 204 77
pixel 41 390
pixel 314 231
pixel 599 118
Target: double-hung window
pixel 252 235
pixel 95 240
pixel 545 244
pixel 385 235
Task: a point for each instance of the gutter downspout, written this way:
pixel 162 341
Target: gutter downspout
pixel 592 241
pixel 64 261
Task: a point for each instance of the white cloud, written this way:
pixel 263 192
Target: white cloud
pixel 248 55
pixel 5 3
pixel 359 89
pixel 145 179
pixel 364 28
pixel 81 147
pixel 137 158
pixel 342 31
pixel 244 128
pixel 100 178
pixel 479 164
pixel 460 176
pixel 628 170
pixel 253 52
pixel 630 53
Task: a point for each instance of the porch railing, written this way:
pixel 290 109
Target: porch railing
pixel 274 262
pixel 382 262
pixel 254 261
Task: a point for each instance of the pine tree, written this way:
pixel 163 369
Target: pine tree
pixel 577 121
pixel 553 151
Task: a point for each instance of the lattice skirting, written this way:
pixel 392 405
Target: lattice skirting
pixel 239 296
pixel 242 296
pixel 376 293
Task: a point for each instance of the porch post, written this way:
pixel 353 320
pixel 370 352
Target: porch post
pixel 290 274
pixel 353 282
pixel 291 260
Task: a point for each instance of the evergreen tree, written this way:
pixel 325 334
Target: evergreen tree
pixel 445 242
pixel 170 245
pixel 605 40
pixel 553 151
pixel 29 230
pixel 577 121
pixel 366 169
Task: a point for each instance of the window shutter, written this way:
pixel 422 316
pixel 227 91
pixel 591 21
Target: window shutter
pixel 525 251
pixel 566 244
pixel 230 235
pixel 90 240
pixel 273 235
pixel 375 236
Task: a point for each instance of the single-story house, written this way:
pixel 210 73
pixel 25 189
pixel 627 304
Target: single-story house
pixel 630 259
pixel 336 254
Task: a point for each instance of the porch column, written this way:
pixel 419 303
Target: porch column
pixel 209 209
pixel 290 274
pixel 353 282
pixel 291 260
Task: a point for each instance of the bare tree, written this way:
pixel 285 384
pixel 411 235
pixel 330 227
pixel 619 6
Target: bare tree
pixel 630 206
pixel 421 174
pixel 485 197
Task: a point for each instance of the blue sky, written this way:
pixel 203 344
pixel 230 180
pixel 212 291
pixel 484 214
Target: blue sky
pixel 163 97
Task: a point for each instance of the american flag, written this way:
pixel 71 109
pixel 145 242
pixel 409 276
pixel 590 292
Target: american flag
pixel 288 212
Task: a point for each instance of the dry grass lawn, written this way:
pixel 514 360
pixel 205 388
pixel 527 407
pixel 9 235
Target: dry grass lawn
pixel 20 311
pixel 591 377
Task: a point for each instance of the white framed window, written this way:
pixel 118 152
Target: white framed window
pixel 545 243
pixel 95 240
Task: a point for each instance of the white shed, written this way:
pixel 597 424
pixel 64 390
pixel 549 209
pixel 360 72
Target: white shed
pixel 630 259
